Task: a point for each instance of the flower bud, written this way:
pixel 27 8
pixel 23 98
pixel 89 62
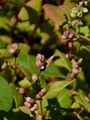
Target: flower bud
pixel 42 67
pixel 27 104
pixel 13 48
pixel 85 10
pixel 13 20
pixel 39 56
pixel 85 3
pixel 35 107
pixel 38 63
pixel 34 77
pixel 28 99
pixel 21 90
pixel 75 71
pixel 81 3
pixel 43 90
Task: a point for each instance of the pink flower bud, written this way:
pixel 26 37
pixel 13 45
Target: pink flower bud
pixel 75 71
pixel 43 90
pixel 38 63
pixel 13 48
pixel 28 99
pixel 39 56
pixel 21 90
pixel 27 104
pixel 68 34
pixel 11 51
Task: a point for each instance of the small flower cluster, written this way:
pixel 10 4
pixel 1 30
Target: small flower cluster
pixel 13 48
pixel 41 94
pixel 67 36
pixel 30 103
pixel 75 68
pixel 79 10
pixel 40 61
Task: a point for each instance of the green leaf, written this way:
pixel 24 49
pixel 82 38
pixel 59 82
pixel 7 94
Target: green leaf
pixel 25 83
pixel 4 53
pixel 33 68
pixel 5 95
pixel 56 88
pixel 43 82
pixel 26 72
pixel 85 30
pixel 27 62
pixel 24 48
pixel 16 95
pixel 63 61
pixel 29 15
pixel 5 23
pixel 64 98
pixel 53 71
pixel 26 110
pixel 55 14
pixel 80 98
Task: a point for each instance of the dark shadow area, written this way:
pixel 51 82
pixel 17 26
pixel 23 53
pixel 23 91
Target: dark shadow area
pixel 58 113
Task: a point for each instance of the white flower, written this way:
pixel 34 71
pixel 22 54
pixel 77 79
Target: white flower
pixel 85 10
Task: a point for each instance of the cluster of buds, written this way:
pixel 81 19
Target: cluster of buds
pixel 40 61
pixel 13 48
pixel 40 94
pixel 79 10
pixel 67 36
pixel 30 103
pixel 75 68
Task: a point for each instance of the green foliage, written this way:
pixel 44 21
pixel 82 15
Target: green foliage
pixel 44 59
pixel 5 95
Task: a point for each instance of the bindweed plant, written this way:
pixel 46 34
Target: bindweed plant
pixel 44 59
